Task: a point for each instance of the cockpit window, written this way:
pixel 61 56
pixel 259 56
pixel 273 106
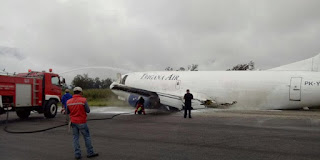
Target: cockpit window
pixel 123 81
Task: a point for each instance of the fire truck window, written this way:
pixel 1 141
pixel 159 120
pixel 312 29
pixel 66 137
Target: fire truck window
pixel 55 80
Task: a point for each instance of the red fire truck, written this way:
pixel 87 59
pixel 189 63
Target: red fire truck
pixel 32 91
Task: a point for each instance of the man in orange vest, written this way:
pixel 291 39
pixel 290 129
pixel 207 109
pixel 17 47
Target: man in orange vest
pixel 77 108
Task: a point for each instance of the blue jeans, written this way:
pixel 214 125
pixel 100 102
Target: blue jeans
pixel 83 128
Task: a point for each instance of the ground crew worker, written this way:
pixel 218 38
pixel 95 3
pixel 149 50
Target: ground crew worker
pixel 64 100
pixel 77 108
pixel 140 106
pixel 187 104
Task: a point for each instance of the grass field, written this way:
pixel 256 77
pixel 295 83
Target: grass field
pixel 102 97
pixel 104 102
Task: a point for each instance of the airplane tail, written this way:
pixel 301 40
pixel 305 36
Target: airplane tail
pixel 311 64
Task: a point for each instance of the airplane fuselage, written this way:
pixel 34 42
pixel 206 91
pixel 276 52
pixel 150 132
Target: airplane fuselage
pixel 232 89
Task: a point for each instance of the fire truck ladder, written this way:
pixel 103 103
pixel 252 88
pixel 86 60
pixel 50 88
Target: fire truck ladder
pixel 36 91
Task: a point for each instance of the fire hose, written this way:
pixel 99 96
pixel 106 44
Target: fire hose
pixel 50 128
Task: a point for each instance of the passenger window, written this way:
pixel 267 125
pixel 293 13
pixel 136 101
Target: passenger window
pixel 55 81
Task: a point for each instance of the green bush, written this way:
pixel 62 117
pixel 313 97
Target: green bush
pixel 92 94
pixel 101 97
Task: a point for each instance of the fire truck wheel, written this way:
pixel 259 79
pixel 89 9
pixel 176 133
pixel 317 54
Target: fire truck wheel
pixel 51 109
pixel 23 114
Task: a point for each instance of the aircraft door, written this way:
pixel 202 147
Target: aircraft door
pixel 295 89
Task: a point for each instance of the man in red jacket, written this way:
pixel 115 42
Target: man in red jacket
pixel 77 108
pixel 140 106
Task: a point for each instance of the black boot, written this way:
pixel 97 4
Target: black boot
pixel 93 155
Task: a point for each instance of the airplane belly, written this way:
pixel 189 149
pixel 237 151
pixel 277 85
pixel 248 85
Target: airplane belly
pixel 170 101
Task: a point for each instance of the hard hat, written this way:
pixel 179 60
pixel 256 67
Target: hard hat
pixel 77 89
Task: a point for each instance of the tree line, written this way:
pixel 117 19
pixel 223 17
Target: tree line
pixel 194 67
pixel 243 67
pixel 89 83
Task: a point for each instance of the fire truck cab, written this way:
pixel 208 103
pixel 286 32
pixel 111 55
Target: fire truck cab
pixel 32 91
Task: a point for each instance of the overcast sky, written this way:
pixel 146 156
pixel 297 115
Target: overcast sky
pixel 143 35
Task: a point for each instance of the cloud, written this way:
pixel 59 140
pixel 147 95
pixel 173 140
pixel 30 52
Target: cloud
pixel 151 35
pixel 13 52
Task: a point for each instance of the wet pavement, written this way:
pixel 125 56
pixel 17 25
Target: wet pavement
pixel 209 134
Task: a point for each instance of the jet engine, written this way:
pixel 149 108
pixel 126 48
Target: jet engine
pixel 150 102
pixel 132 95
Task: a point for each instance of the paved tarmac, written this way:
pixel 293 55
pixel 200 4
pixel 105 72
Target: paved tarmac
pixel 210 134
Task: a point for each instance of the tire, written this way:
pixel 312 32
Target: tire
pixel 23 114
pixel 50 111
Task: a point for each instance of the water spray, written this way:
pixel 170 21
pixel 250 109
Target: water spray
pixel 98 67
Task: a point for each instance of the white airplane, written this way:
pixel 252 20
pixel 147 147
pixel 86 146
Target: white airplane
pixel 292 86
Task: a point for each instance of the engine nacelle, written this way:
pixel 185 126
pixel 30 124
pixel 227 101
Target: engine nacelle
pixel 132 95
pixel 150 102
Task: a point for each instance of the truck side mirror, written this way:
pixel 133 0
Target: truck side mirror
pixel 62 80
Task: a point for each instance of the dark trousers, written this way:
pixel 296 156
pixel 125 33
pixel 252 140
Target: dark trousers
pixel 185 113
